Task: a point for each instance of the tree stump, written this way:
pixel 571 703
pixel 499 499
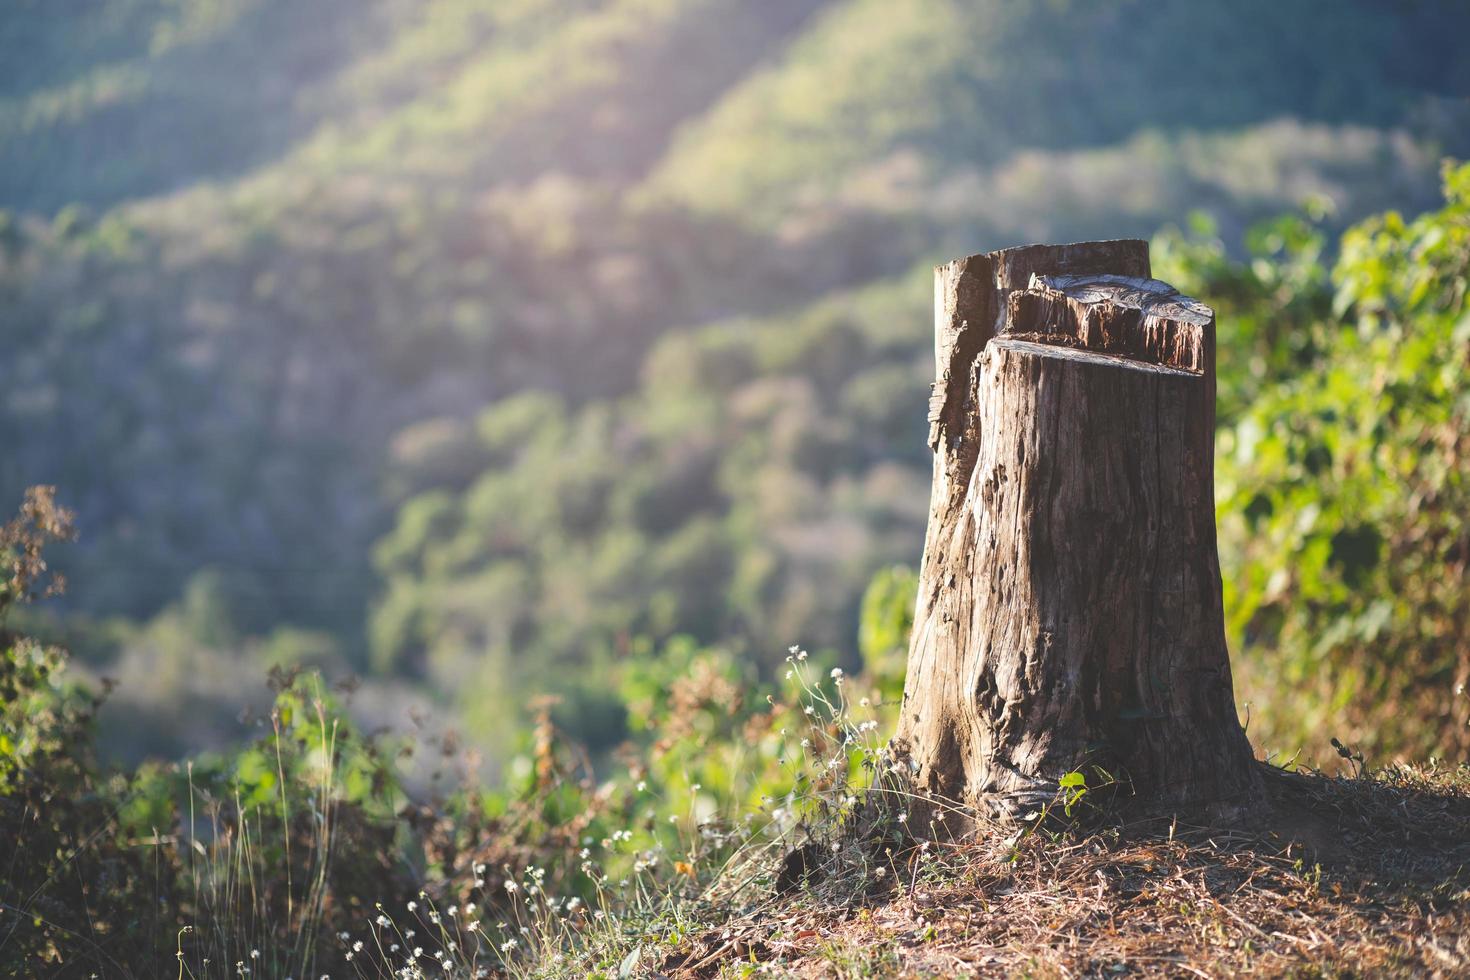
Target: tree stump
pixel 1069 611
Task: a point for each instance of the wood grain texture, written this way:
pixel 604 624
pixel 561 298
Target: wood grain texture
pixel 1069 611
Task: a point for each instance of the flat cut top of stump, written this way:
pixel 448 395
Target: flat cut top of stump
pixel 1154 296
pixel 1143 320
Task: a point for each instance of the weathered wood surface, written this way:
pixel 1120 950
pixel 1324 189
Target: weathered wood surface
pixel 1069 609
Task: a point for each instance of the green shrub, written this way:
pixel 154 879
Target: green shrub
pixel 1343 478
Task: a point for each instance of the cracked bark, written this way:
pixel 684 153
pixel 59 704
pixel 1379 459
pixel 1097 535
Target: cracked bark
pixel 1069 611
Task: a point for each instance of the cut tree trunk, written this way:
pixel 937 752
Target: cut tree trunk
pixel 1069 612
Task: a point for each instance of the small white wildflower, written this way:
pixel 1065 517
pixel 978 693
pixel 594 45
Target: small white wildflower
pixel 418 951
pixel 255 954
pixel 864 702
pixel 801 655
pixel 836 672
pixel 903 818
pixel 793 648
pixel 511 887
pixel 413 906
pixel 809 710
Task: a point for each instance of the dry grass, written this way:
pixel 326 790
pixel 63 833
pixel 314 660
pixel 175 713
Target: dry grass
pixel 1366 876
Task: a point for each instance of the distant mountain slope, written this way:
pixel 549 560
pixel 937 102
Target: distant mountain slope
pixel 741 105
pixel 102 101
pixel 593 92
pixel 963 83
pixel 128 98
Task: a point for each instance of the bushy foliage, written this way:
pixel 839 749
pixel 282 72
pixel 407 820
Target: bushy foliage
pixel 885 620
pixel 52 798
pixel 1342 488
pixel 301 852
pixel 1359 469
pixel 106 872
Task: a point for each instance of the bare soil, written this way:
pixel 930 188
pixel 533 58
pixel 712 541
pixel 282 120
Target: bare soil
pixel 1365 875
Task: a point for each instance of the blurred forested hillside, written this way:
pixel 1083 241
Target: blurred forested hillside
pixel 471 345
